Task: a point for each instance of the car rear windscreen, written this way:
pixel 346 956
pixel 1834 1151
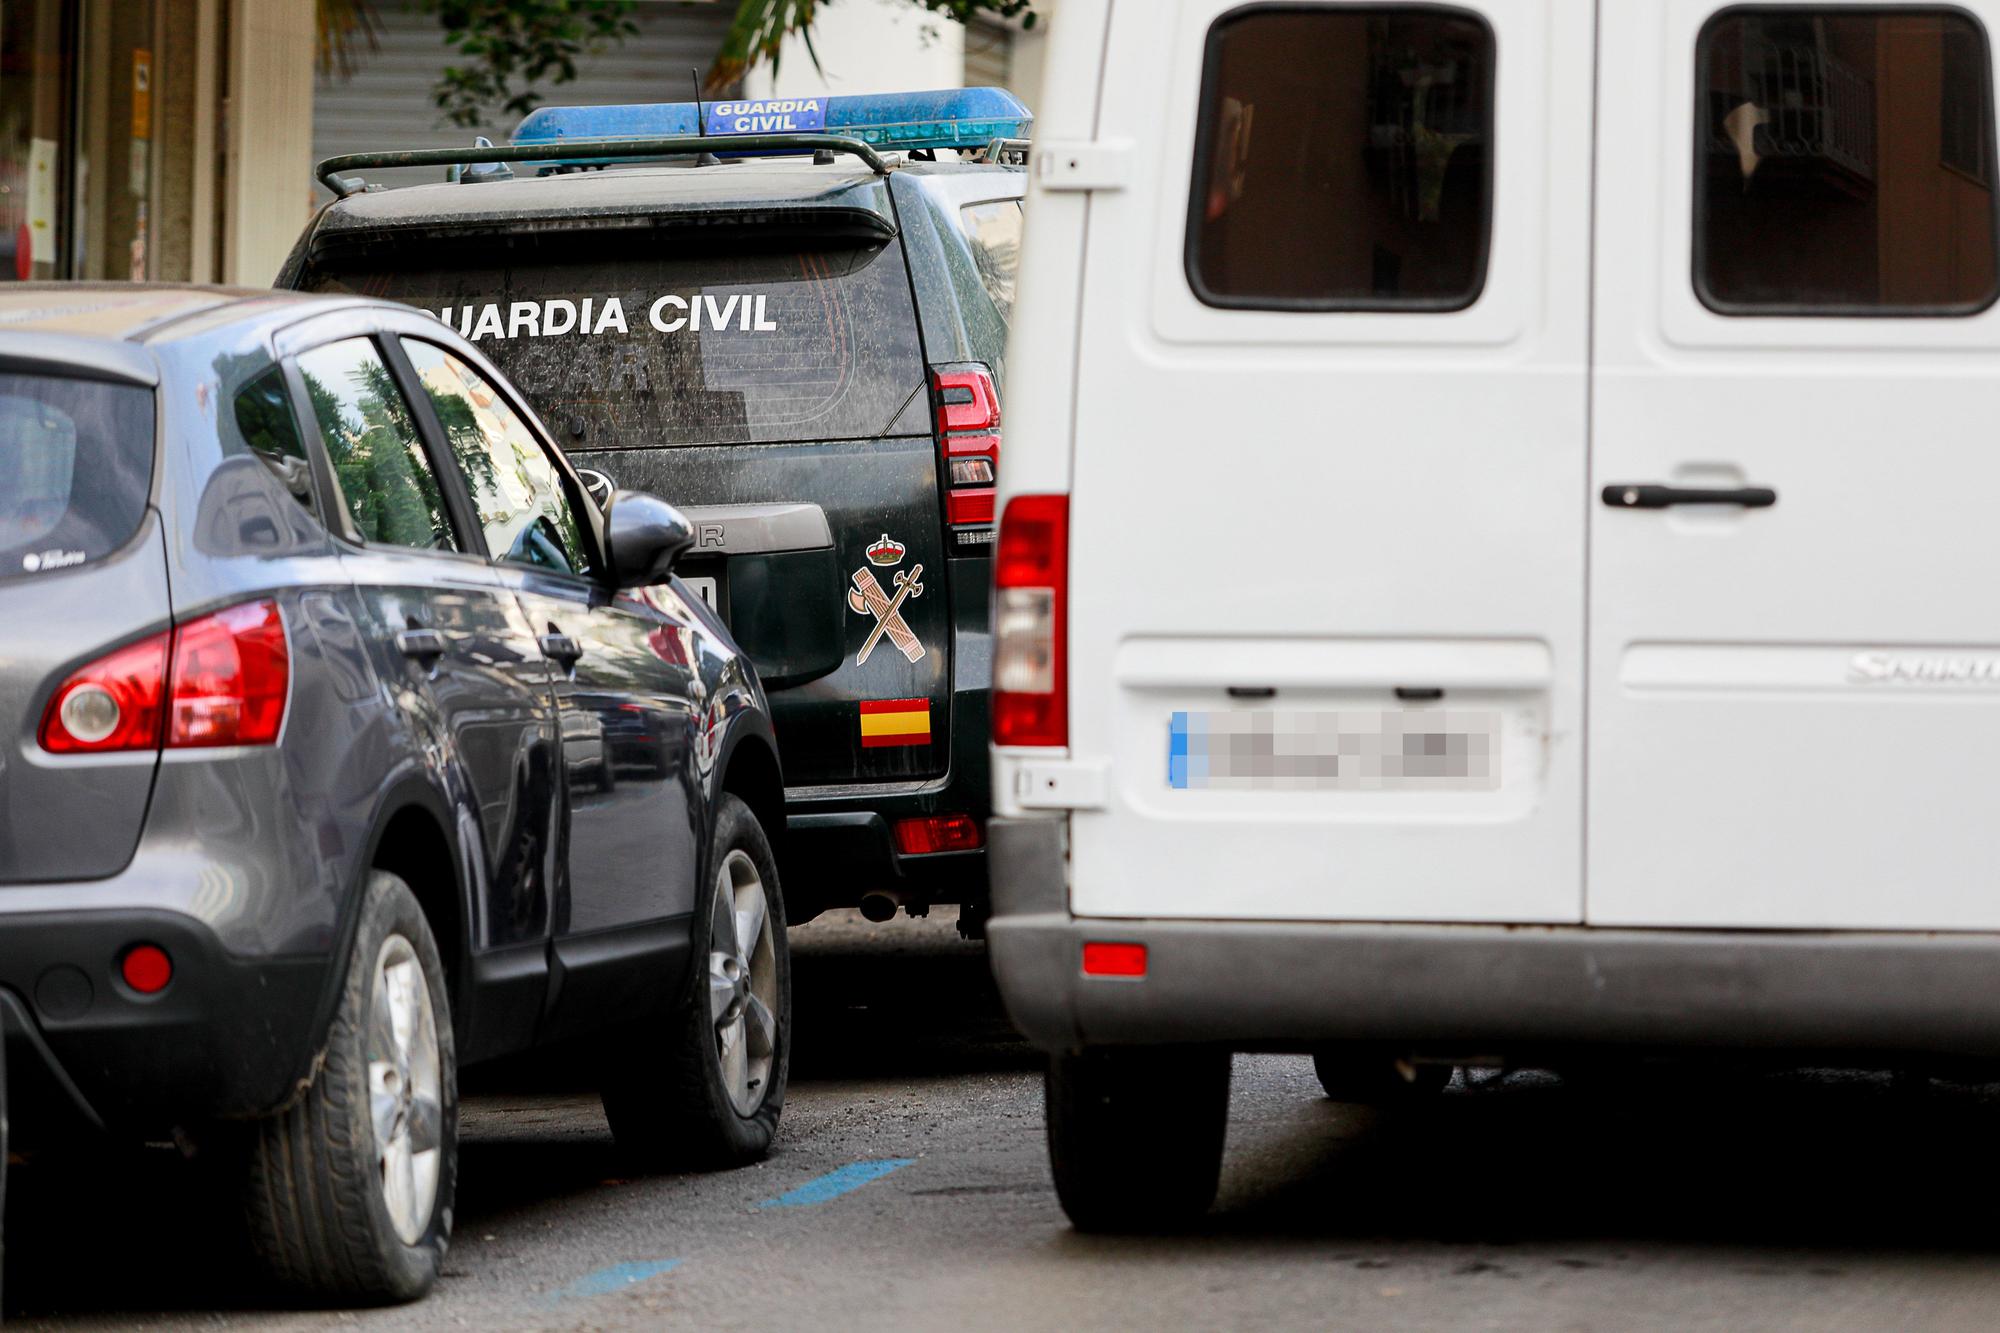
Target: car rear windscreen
pixel 76 464
pixel 704 347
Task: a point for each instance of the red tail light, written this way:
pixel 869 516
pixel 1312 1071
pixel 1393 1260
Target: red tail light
pixel 968 420
pixel 1031 623
pixel 924 834
pixel 115 703
pixel 231 671
pixel 218 680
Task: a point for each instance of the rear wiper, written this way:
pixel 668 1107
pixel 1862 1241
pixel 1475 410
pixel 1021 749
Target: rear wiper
pixel 901 408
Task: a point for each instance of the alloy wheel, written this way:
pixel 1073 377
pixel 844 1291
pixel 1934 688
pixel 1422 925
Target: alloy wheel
pixel 742 982
pixel 405 1098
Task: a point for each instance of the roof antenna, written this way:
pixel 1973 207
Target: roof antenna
pixel 705 158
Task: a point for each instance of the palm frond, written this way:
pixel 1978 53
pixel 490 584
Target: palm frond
pixel 343 27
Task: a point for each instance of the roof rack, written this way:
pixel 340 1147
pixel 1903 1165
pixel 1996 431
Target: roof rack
pixel 1009 151
pixel 586 150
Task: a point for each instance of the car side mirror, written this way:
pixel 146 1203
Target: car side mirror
pixel 598 486
pixel 645 535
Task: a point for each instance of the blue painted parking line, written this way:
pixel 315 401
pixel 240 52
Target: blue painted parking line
pixel 615 1278
pixel 836 1183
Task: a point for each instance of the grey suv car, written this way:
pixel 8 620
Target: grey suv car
pixel 314 647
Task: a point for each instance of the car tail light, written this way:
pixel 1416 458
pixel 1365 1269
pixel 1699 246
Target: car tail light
pixel 1031 623
pixel 217 680
pixel 937 833
pixel 968 422
pixel 1105 959
pixel 115 703
pixel 231 670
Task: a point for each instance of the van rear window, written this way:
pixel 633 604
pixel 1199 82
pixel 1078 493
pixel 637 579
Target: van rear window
pixel 76 464
pixel 715 347
pixel 1844 163
pixel 1344 159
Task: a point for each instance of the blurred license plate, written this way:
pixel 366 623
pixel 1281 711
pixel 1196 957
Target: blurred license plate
pixel 704 589
pixel 1431 749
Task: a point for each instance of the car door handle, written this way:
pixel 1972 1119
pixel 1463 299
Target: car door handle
pixel 424 645
pixel 561 648
pixel 1633 495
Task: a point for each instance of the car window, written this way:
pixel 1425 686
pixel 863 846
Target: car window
pixel 621 344
pixel 267 427
pixel 1844 163
pixel 1344 159
pixel 76 463
pixel 994 231
pixel 522 499
pixel 385 479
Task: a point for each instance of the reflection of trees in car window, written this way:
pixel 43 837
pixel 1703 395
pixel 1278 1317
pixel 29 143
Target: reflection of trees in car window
pixel 372 442
pixel 523 505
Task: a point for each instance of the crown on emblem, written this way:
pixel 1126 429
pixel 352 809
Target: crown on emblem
pixel 887 551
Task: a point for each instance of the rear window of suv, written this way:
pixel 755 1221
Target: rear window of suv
pixel 76 463
pixel 760 346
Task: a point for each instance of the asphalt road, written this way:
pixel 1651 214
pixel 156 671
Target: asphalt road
pixel 910 1189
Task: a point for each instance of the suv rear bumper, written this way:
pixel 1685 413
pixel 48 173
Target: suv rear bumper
pixel 840 841
pixel 838 851
pixel 1481 990
pixel 227 1037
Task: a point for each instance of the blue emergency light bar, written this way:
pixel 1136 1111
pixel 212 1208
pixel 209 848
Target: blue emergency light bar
pixel 947 118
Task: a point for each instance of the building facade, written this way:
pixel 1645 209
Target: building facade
pixel 153 139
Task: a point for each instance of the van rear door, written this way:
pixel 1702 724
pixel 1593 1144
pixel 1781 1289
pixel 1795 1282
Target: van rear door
pixel 1326 565
pixel 1795 691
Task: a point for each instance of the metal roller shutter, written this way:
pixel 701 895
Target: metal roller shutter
pixel 387 103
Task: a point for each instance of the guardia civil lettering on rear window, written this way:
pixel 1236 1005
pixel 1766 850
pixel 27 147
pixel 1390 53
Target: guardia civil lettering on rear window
pixel 558 316
pixel 625 343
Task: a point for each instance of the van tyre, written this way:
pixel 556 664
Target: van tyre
pixel 1135 1135
pixel 1372 1078
pixel 350 1190
pixel 704 1086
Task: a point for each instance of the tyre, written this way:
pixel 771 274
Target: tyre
pixel 349 1191
pixel 1374 1078
pixel 1135 1135
pixel 704 1085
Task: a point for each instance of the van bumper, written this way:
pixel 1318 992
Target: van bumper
pixel 1482 990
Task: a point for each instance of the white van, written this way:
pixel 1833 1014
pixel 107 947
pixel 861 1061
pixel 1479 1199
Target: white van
pixel 1499 559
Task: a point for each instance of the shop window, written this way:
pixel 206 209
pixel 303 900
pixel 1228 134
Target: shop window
pixel 1844 163
pixel 1344 160
pixel 36 95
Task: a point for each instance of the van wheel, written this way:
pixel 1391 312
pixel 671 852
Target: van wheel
pixel 349 1191
pixel 711 1093
pixel 1135 1135
pixel 1373 1078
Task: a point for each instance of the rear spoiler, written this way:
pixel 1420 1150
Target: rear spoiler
pixel 589 150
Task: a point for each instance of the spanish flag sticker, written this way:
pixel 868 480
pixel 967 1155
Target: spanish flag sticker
pixel 895 722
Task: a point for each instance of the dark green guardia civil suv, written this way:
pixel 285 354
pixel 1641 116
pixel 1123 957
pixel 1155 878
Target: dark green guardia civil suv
pixel 804 350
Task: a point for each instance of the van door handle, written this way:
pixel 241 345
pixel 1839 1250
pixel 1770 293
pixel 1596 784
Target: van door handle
pixel 424 645
pixel 561 648
pixel 1627 495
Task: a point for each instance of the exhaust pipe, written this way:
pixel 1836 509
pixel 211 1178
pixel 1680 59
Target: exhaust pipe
pixel 879 905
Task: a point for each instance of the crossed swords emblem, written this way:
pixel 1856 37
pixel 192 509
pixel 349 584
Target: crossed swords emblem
pixel 867 597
